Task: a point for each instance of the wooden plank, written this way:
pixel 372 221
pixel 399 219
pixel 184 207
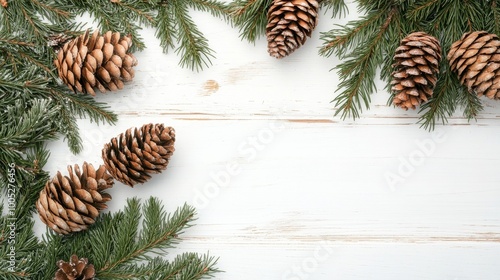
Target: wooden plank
pixel 285 190
pixel 291 180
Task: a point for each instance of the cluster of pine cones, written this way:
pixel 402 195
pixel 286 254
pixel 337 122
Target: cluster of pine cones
pixel 475 58
pixel 72 203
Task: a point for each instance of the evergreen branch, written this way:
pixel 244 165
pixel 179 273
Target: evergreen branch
pixel 66 124
pixel 50 11
pixel 495 10
pixel 166 28
pixel 193 46
pixel 442 104
pixel 191 266
pixel 338 7
pixel 35 27
pixel 215 8
pixel 471 103
pixel 250 16
pixel 357 73
pixel 143 14
pixel 422 10
pixel 152 238
pixel 84 106
pixel 34 61
pixel 185 266
pixel 339 41
pixel 120 17
pixel 119 249
pixel 16 223
pixel 16 42
pixel 24 124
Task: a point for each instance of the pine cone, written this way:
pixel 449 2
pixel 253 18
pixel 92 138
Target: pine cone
pixel 75 269
pixel 289 23
pixel 476 60
pixel 416 68
pixel 98 62
pixel 131 157
pixel 71 204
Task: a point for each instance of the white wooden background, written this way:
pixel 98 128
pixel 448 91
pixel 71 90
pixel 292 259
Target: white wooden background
pixel 284 190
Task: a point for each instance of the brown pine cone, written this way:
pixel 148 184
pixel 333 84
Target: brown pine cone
pixel 75 269
pixel 289 23
pixel 476 60
pixel 71 204
pixel 415 70
pixel 132 156
pixel 97 62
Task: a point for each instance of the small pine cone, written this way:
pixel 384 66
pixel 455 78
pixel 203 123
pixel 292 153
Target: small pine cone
pixel 75 269
pixel 289 23
pixel 415 69
pixel 476 60
pixel 87 63
pixel 132 156
pixel 71 204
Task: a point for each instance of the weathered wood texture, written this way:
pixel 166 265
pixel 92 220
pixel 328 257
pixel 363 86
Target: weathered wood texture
pixel 285 190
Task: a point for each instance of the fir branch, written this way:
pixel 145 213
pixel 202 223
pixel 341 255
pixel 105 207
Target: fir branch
pixel 191 266
pixel 340 41
pixel 157 233
pixel 26 124
pixel 193 46
pixel 215 8
pixel 175 27
pixel 66 124
pixel 357 73
pixel 17 223
pixel 442 104
pixel 495 11
pixel 338 7
pixel 166 28
pixel 185 266
pixel 33 19
pixel 126 17
pixel 84 106
pixel 119 248
pixel 250 16
pixel 470 102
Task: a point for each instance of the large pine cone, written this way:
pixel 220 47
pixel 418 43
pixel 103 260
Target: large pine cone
pixel 75 269
pixel 132 156
pixel 289 23
pixel 416 68
pixel 86 63
pixel 476 60
pixel 71 204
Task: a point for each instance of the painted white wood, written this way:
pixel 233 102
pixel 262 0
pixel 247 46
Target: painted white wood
pixel 285 190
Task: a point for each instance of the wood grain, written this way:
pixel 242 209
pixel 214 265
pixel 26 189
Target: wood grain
pixel 285 190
